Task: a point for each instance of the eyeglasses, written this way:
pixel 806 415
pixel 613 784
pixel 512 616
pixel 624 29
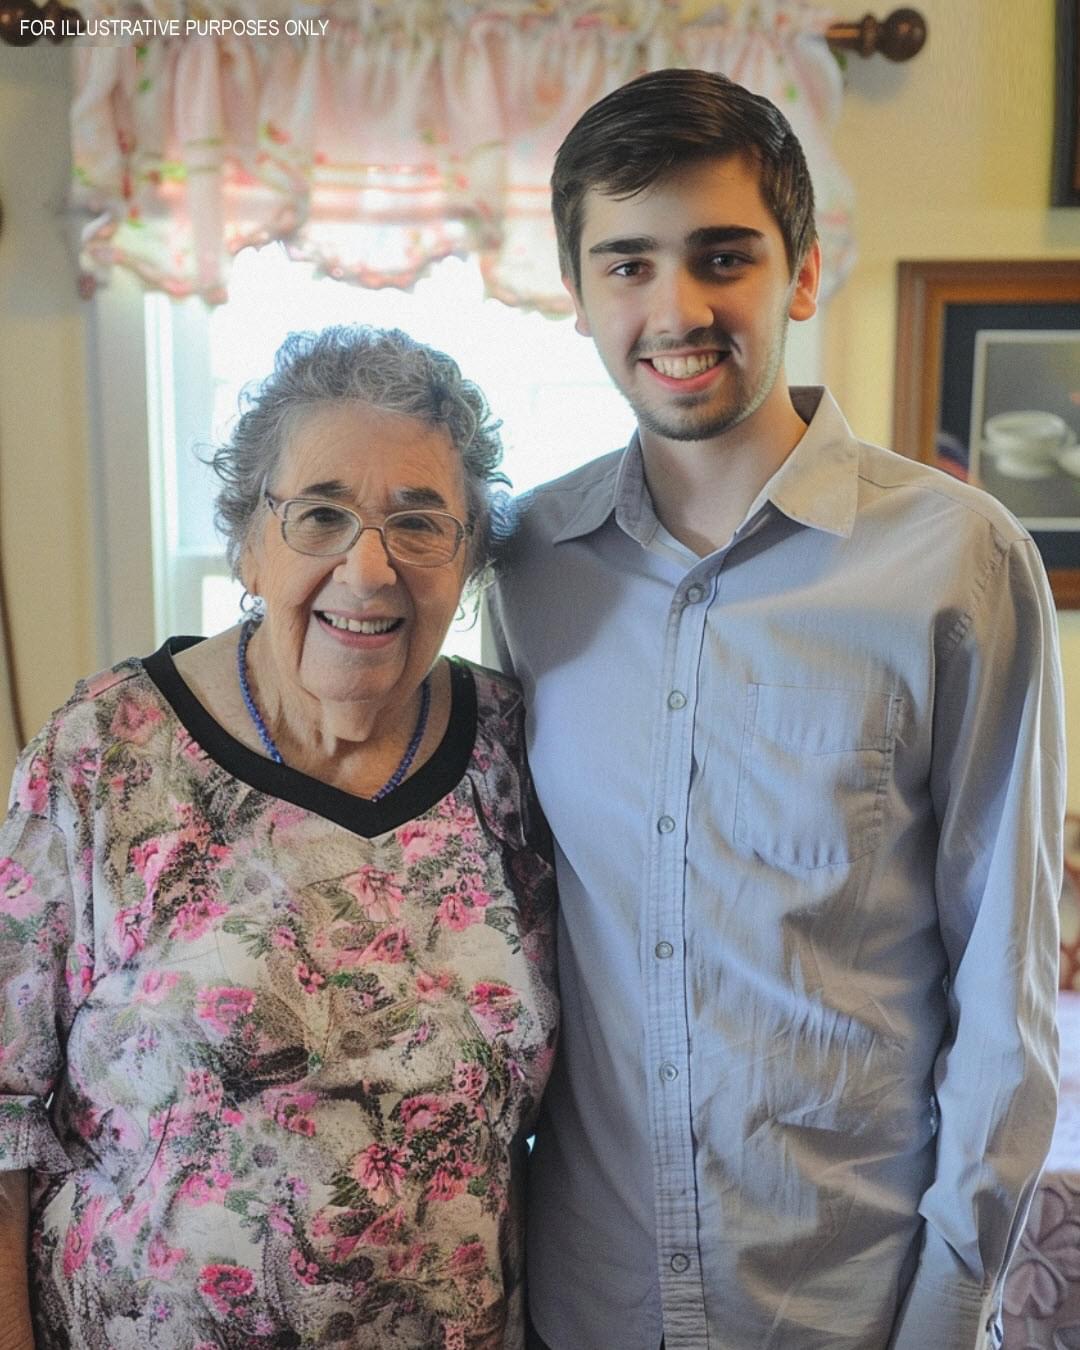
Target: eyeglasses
pixel 321 529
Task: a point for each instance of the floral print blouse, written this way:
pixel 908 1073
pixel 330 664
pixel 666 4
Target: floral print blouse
pixel 271 1051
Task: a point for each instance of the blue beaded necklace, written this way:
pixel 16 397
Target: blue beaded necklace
pixel 247 628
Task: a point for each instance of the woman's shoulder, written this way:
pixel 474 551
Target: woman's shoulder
pixel 491 685
pixel 118 703
pixel 92 695
pixel 499 767
pixel 499 748
pixel 498 696
pixel 104 682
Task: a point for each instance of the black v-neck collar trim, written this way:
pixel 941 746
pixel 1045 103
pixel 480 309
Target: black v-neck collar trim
pixel 419 792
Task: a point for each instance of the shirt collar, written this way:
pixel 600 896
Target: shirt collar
pixel 817 485
pixel 621 490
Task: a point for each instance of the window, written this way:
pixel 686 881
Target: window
pixel 543 380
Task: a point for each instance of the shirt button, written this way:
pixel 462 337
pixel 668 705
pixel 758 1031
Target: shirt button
pixel 665 824
pixel 668 1072
pixel 694 594
pixel 679 1263
pixel 664 950
pixel 676 699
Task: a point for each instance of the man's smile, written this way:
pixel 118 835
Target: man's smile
pixel 687 372
pixel 682 367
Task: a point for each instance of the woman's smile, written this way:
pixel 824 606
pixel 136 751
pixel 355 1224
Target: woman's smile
pixel 368 632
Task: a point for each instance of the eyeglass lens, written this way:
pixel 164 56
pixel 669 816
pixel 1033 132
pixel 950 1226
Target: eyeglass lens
pixel 422 537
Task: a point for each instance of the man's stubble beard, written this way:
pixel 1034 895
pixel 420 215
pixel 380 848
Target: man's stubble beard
pixel 703 424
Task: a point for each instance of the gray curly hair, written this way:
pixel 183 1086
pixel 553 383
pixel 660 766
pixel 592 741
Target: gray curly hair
pixel 389 370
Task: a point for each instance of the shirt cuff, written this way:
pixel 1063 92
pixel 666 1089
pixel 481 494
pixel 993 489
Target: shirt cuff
pixel 944 1306
pixel 27 1140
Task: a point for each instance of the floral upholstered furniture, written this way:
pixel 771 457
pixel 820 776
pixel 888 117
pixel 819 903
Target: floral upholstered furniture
pixel 1042 1290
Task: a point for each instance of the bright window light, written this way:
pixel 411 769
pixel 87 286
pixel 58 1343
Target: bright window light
pixel 545 382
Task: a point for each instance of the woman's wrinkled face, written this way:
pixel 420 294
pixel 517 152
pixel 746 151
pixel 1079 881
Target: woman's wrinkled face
pixel 358 626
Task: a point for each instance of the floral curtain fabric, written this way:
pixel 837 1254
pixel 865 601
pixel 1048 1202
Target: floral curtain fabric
pixel 376 137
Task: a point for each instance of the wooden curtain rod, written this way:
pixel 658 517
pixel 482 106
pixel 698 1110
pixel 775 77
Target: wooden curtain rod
pixel 899 37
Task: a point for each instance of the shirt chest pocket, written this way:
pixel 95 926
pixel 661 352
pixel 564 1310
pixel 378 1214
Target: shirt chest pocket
pixel 814 767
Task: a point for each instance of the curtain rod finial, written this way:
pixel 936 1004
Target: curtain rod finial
pixel 54 21
pixel 14 17
pixel 898 38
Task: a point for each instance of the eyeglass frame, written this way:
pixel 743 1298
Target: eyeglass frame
pixel 464 531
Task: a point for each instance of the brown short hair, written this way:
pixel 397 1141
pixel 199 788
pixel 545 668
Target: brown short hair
pixel 644 131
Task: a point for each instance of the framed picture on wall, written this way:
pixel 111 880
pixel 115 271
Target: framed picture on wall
pixel 988 389
pixel 1065 188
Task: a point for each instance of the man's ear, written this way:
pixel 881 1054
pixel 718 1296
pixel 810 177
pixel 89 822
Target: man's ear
pixel 581 323
pixel 805 290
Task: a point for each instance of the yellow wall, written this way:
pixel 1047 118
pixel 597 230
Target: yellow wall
pixel 949 155
pixel 44 471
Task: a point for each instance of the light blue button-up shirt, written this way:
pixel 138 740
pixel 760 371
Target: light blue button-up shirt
pixel 807 795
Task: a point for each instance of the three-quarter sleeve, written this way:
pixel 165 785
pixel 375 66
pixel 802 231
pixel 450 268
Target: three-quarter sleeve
pixel 998 786
pixel 41 974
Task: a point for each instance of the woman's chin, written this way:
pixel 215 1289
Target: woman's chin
pixel 363 695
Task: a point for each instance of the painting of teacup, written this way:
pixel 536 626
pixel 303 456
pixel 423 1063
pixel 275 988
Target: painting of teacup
pixel 1027 443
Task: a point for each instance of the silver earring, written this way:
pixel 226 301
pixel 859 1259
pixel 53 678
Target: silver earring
pixel 251 606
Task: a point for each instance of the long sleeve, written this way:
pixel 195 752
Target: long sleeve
pixel 39 976
pixel 998 786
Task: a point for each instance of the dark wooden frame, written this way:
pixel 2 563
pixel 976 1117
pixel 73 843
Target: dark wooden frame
pixel 925 293
pixel 1065 182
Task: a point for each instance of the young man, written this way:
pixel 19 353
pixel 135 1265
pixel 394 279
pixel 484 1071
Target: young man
pixel 796 724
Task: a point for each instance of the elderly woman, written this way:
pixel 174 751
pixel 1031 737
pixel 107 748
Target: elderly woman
pixel 275 918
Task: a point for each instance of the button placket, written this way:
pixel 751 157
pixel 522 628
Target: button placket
pixel 666 1033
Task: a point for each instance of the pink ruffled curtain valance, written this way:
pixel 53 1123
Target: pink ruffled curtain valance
pixel 388 136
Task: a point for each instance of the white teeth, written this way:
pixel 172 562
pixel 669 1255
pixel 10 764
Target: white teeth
pixel 368 626
pixel 682 367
